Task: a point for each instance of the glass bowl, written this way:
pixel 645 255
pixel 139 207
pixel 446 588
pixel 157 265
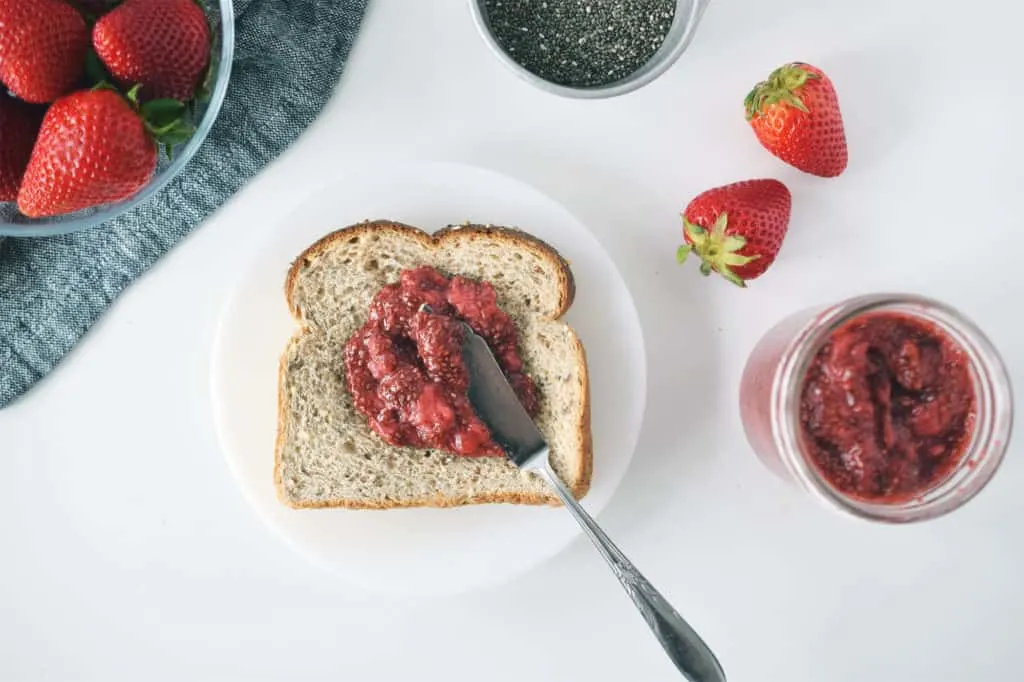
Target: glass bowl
pixel 222 22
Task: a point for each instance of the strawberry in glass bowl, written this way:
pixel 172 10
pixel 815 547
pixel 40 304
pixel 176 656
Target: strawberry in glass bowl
pixel 102 103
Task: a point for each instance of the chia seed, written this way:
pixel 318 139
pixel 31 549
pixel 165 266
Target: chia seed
pixel 580 43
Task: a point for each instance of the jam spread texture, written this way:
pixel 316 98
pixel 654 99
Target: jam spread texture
pixel 404 367
pixel 887 407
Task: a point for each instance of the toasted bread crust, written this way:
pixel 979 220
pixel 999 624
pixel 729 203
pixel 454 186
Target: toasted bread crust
pixel 515 239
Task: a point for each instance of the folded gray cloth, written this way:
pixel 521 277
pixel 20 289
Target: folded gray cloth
pixel 289 56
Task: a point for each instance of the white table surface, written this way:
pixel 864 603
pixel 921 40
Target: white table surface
pixel 128 552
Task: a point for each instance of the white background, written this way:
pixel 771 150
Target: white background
pixel 128 553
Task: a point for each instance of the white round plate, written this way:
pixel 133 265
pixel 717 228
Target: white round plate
pixel 416 552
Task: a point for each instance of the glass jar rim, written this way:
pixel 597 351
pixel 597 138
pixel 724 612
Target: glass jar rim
pixel 989 438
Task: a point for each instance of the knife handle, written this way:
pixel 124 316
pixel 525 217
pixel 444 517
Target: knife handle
pixel 683 645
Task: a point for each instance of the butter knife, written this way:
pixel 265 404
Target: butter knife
pixel 497 405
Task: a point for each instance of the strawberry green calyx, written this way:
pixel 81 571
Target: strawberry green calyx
pixel 781 86
pixel 165 120
pixel 716 250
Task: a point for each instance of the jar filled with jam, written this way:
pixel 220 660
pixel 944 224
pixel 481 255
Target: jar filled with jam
pixel 891 407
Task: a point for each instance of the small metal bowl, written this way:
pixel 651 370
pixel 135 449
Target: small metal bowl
pixel 684 25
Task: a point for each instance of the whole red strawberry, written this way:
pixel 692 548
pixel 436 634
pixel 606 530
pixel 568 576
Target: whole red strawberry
pixel 164 45
pixel 19 125
pixel 42 48
pixel 93 148
pixel 795 114
pixel 737 230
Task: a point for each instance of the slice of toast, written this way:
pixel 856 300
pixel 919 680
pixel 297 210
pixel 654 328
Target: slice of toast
pixel 326 454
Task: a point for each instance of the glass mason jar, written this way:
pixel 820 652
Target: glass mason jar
pixel 773 380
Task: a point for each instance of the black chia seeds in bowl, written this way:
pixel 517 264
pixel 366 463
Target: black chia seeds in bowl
pixel 588 48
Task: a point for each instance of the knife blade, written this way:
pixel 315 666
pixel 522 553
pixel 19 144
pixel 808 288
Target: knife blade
pixel 496 403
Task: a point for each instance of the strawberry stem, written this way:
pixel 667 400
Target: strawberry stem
pixel 165 120
pixel 780 87
pixel 718 251
pixel 133 94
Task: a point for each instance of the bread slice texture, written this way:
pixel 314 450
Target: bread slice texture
pixel 327 455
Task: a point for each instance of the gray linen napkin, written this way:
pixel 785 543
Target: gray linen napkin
pixel 289 56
